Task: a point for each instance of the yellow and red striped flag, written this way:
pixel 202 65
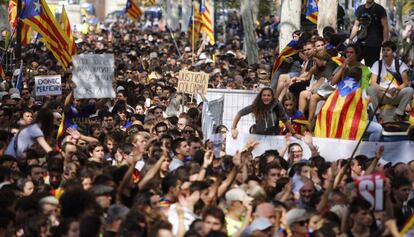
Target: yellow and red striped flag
pixel 132 10
pixel 338 60
pixel 344 115
pixel 60 132
pixel 37 15
pixel 312 11
pixel 13 13
pixel 65 23
pixel 26 32
pixel 291 49
pixel 207 24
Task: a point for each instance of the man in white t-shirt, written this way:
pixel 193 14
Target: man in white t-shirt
pixel 399 93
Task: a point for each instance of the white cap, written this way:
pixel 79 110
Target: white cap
pixel 15 96
pixel 295 215
pixel 237 194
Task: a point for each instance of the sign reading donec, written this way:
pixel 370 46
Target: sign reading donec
pixel 193 82
pixel 93 75
pixel 48 85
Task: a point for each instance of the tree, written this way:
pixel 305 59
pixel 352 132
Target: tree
pixel 248 8
pixel 327 14
pixel 289 20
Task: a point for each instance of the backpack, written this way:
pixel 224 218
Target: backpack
pixel 396 75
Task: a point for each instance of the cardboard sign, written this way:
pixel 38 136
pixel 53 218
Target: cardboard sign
pixel 193 82
pixel 93 75
pixel 48 85
pixel 371 188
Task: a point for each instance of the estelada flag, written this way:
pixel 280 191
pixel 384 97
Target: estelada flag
pixel 312 11
pixel 291 49
pixel 132 10
pixel 207 24
pixel 344 115
pixel 37 15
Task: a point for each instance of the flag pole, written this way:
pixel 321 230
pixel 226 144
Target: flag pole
pixel 18 49
pixel 192 34
pixel 171 33
pixel 348 164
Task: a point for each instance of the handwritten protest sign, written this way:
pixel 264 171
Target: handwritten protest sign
pixel 93 75
pixel 48 85
pixel 371 188
pixel 193 82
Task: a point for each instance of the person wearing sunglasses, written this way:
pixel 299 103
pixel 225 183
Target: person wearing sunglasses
pixel 297 220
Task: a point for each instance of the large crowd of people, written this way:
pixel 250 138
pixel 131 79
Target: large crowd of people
pixel 139 164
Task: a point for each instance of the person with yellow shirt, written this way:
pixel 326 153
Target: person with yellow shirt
pixel 239 211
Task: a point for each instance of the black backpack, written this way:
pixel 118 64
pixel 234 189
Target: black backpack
pixel 396 75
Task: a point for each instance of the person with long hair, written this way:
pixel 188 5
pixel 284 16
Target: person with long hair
pixel 38 132
pixel 267 111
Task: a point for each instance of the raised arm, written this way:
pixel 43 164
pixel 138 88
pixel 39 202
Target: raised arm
pixel 354 30
pixel 231 176
pixel 234 132
pixel 152 172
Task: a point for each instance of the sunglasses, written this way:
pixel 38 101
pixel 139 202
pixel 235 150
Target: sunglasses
pixel 302 223
pixel 188 131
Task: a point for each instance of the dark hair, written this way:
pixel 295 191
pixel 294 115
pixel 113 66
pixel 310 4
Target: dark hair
pixel 160 124
pixel 359 204
pixel 354 72
pixel 389 44
pixel 399 181
pixel 176 144
pixel 127 148
pixel 219 127
pixel 75 202
pixel 168 182
pixel 216 213
pixel 258 107
pixel 356 48
pixel 89 226
pixel 159 225
pixel 44 118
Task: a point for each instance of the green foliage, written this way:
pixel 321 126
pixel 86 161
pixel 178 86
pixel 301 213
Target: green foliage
pixel 265 8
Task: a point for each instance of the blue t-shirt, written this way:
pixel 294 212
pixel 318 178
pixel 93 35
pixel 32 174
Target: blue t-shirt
pixel 25 139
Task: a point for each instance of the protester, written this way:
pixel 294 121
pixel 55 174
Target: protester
pixel 371 30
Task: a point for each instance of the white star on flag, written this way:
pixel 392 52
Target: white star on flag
pixel 37 6
pixel 313 4
pixel 349 84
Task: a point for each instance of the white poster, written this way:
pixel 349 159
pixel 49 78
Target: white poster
pixel 93 75
pixel 48 85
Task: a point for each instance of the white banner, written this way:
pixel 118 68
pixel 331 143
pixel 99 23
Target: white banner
pixel 48 85
pixel 330 149
pixel 93 75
